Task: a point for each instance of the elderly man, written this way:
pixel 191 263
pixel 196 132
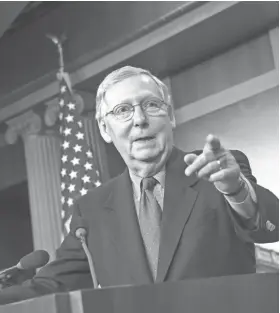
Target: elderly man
pixel 171 215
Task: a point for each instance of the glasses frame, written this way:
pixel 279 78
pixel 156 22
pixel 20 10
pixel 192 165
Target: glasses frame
pixel 138 104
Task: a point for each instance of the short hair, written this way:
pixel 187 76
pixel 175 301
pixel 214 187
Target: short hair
pixel 118 76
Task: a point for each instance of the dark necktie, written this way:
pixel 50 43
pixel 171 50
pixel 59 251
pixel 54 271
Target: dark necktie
pixel 149 220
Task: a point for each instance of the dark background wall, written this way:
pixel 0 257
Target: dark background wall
pixel 15 224
pixel 12 165
pixel 91 28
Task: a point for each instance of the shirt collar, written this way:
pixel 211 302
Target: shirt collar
pixel 136 180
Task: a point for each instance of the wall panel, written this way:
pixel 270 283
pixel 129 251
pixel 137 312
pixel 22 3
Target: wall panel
pixel 224 71
pixel 251 126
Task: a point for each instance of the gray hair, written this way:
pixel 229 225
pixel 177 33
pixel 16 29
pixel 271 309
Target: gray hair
pixel 118 76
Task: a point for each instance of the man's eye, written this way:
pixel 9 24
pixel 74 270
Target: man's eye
pixel 152 105
pixel 122 109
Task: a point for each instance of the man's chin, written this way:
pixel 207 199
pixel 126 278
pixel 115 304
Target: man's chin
pixel 146 156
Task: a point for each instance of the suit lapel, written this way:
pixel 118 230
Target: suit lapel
pixel 179 199
pixel 131 251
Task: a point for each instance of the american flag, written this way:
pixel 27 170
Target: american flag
pixel 79 172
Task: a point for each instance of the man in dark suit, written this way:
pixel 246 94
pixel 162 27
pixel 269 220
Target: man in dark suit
pixel 169 216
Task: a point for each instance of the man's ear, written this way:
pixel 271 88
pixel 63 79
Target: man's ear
pixel 104 131
pixel 172 116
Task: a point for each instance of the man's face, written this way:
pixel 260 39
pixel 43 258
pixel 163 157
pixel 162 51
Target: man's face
pixel 143 138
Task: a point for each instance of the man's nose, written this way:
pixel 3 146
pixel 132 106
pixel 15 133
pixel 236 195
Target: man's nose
pixel 139 117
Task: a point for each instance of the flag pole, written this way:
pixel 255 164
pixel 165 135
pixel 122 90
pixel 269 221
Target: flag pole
pixel 61 73
pixel 77 159
pixel 58 44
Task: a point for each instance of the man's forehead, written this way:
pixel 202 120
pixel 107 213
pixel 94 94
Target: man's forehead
pixel 132 87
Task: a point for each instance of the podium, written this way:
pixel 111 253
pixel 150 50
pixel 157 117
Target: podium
pixel 255 293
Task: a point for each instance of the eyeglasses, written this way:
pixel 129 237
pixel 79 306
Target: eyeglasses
pixel 125 111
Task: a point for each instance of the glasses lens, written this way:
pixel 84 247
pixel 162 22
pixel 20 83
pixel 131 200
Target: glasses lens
pixel 154 106
pixel 123 111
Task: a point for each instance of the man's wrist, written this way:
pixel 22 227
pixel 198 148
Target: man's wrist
pixel 244 204
pixel 241 187
pixel 238 195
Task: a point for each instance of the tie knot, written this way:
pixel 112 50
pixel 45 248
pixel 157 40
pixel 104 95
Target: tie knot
pixel 148 183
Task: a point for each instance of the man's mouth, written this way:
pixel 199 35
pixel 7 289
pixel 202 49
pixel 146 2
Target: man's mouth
pixel 146 138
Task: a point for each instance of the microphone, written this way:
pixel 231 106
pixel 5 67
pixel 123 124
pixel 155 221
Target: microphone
pixel 80 232
pixel 30 261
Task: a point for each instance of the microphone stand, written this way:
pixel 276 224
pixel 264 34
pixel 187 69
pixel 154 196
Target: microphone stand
pixel 91 267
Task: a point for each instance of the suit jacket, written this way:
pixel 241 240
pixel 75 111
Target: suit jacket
pixel 201 236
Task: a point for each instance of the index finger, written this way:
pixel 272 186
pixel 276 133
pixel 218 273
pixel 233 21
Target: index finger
pixel 212 143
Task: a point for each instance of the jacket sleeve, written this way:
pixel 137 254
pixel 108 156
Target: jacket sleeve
pixel 267 204
pixel 69 271
pixel 267 229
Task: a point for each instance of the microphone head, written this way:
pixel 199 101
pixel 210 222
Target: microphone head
pixel 80 232
pixel 34 260
pixel 79 227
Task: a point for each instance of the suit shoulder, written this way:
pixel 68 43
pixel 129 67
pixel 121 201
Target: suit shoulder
pixel 239 155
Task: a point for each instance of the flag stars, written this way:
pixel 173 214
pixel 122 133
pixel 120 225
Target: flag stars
pixel 69 118
pixel 73 174
pixel 64 158
pixel 77 148
pixel 71 106
pixel 88 166
pixel 89 154
pixel 83 191
pixel 75 161
pixel 71 188
pixel 70 202
pixel 62 186
pixel 97 183
pixel 78 172
pixel 80 136
pixel 65 144
pixel 61 102
pixel 67 131
pixel 86 179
